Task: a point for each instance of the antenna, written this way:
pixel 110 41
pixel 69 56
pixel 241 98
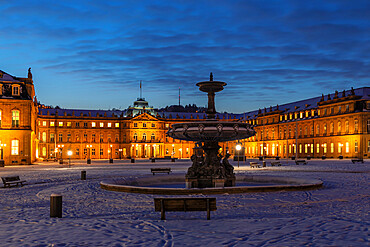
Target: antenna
pixel 179 97
pixel 141 91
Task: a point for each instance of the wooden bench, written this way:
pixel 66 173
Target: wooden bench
pixel 9 181
pixel 254 165
pixel 277 163
pixel 357 160
pixel 185 204
pixel 160 170
pixel 304 162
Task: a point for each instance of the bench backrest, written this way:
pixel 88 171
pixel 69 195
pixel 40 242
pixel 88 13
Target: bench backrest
pixel 185 204
pixel 10 179
pixel 160 169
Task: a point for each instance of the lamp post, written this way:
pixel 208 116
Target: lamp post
pixel 238 147
pixel 2 163
pixel 69 155
pixel 88 161
pixel 120 153
pixel 111 154
pixel 60 147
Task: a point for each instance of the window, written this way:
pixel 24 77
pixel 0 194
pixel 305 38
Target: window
pixel 116 125
pixel 356 125
pixel 325 112
pixel 368 124
pixel 44 123
pixel 101 151
pixel 325 130
pixel 317 148
pixel 109 125
pixel 332 110
pixel 317 129
pixel 331 128
pixel 356 147
pixel 339 127
pixel 77 137
pixel 60 124
pixel 306 131
pixel 331 147
pixel 301 114
pixel 43 136
pixel 0 118
pixel 307 112
pixel 305 148
pixel 85 125
pixel 312 129
pixel 1 89
pixel 15 147
pixel 144 136
pixel 117 138
pixel 347 147
pixel 153 125
pixel 135 136
pixel 144 125
pixel 300 148
pixel 167 126
pixel 290 148
pixel 15 118
pixel 77 151
pixel 15 90
pixel 69 124
pixel 52 137
pixel 85 137
pixel 93 137
pixel 346 126
pixel 347 107
pixel 135 124
pixel 101 125
pixel 101 138
pixel 312 148
pixel 368 146
pixel 93 124
pixel 339 109
pixel 44 151
pixel 68 137
pixel 93 151
pixel 153 136
pixel 325 148
pixel 85 151
pixel 77 124
pixel 60 137
pixel 109 137
pixel 339 147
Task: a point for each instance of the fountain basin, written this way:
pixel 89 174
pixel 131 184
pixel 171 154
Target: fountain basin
pixel 219 131
pixel 142 185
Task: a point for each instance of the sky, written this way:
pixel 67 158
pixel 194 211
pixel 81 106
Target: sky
pixel 93 54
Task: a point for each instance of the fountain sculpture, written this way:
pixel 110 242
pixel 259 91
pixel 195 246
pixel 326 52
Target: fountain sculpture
pixel 208 168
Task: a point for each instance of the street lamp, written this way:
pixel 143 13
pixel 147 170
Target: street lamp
pixel 69 155
pixel 120 153
pixel 111 154
pixel 238 147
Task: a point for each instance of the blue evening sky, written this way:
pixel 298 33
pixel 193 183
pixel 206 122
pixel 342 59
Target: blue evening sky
pixel 92 54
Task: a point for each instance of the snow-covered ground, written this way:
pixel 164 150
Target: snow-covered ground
pixel 336 215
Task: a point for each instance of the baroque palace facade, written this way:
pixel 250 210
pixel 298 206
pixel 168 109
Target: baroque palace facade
pixel 332 125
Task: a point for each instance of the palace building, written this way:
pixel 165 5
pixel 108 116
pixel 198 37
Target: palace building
pixel 334 125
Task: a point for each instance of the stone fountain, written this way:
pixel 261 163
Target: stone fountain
pixel 209 168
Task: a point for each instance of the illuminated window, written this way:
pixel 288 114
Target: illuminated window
pixel 43 136
pixel 312 148
pixel 325 148
pixel 52 137
pixel 290 148
pixel 167 126
pixel 356 125
pixel 15 118
pixel 15 147
pixel 356 146
pixel 317 148
pixel 347 147
pixel 305 148
pixel 339 147
pixel 15 90
pixel 69 124
pixel 346 126
pixel 77 138
pixel 307 113
pixel 116 125
pixel 60 124
pixel 331 147
pixel 109 125
pixel 44 151
pixel 68 137
pixel 368 146
pixel 301 114
pixel 101 125
pixel 93 124
pixel 44 123
pixel 325 129
pixel 300 148
pixel 273 149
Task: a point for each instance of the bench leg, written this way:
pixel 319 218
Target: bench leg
pixel 163 214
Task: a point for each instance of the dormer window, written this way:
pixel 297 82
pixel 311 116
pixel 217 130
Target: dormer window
pixel 15 90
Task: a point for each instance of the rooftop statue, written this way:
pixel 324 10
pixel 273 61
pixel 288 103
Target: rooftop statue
pixel 29 73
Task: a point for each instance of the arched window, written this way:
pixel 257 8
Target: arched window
pixel 339 126
pixel 346 126
pixel 317 129
pixel 356 125
pixel 331 128
pixel 15 118
pixel 325 129
pixel 43 136
pixel 153 136
pixel 144 136
pixel 135 136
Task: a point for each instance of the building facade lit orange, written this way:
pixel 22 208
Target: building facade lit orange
pixel 333 125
